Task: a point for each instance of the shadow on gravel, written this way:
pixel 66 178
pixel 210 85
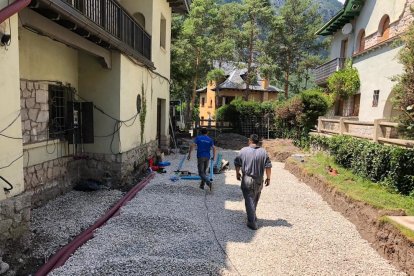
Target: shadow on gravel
pixel 273 223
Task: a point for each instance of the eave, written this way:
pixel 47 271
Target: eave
pixel 180 6
pixel 349 11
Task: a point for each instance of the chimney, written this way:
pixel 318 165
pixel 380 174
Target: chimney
pixel 265 84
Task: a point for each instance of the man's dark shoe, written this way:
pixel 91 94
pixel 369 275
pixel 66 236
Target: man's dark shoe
pixel 252 225
pixel 202 186
pixel 210 185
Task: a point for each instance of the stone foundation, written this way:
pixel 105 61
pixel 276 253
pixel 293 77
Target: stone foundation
pixel 14 221
pixel 50 179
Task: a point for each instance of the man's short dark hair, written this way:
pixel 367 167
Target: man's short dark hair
pixel 254 138
pixel 203 130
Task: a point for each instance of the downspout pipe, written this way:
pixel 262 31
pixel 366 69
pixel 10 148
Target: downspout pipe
pixel 12 9
pixel 64 253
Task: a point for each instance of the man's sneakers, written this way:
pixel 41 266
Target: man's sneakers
pixel 202 185
pixel 252 225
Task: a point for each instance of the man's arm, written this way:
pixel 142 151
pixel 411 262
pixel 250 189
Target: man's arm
pixel 214 152
pixel 190 150
pixel 268 175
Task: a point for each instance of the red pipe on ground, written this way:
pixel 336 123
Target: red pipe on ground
pixel 65 252
pixel 13 8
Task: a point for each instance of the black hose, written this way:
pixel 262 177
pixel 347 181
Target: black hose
pixel 5 180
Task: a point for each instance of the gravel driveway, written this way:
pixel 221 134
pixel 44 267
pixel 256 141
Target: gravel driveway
pixel 168 230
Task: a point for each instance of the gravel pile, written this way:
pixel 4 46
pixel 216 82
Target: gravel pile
pixel 165 230
pixel 61 220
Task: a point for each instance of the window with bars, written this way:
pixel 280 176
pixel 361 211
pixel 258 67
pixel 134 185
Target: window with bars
pixel 375 98
pixel 58 97
pixel 202 102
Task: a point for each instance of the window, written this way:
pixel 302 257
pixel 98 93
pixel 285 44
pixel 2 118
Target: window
pixel 211 103
pixel 163 32
pixel 384 28
pixel 375 98
pixel 57 102
pixel 202 102
pixel 361 41
pixel 140 18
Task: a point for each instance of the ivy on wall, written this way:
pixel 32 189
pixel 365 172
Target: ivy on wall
pixel 143 114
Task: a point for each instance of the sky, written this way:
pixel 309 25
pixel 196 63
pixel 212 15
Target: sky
pixel 342 1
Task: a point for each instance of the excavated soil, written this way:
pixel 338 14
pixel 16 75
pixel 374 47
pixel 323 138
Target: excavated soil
pixel 280 149
pixel 384 237
pixel 231 141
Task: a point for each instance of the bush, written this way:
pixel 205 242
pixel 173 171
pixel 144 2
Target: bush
pixel 345 82
pixel 315 104
pixel 390 165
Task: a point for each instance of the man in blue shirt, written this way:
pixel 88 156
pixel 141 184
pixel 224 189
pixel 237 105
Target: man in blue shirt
pixel 204 145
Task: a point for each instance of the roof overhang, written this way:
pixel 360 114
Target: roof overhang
pixel 180 6
pixel 349 11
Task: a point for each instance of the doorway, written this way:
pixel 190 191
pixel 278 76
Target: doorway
pixel 162 124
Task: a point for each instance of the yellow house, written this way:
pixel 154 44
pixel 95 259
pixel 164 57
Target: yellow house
pixel 232 87
pixel 85 94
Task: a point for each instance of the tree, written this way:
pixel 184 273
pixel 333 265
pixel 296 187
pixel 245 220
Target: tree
pixel 292 40
pixel 216 75
pixel 252 21
pixel 403 91
pixel 192 50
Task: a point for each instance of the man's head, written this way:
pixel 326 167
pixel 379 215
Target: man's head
pixel 204 131
pixel 253 139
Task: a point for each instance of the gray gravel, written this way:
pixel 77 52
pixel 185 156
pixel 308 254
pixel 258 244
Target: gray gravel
pixel 165 230
pixel 61 220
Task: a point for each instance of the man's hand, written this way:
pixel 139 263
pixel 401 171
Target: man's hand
pixel 267 181
pixel 238 176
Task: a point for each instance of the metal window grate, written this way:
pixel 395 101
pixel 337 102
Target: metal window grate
pixel 375 98
pixel 58 96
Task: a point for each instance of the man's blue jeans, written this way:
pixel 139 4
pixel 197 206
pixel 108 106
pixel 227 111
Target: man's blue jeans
pixel 202 164
pixel 251 188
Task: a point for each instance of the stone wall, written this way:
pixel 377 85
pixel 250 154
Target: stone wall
pixel 50 179
pixel 14 220
pixel 34 103
pixel 120 168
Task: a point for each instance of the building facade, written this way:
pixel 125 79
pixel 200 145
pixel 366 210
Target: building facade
pixel 366 31
pixel 85 88
pixel 211 97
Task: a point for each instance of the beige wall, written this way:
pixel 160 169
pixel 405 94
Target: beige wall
pixel 42 58
pixel 9 109
pixel 143 6
pixel 374 10
pixel 102 87
pixel 132 78
pixel 376 69
pixel 161 57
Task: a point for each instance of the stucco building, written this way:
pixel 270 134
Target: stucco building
pixel 211 97
pixel 85 94
pixel 365 31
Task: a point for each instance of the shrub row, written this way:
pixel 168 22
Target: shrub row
pixel 389 165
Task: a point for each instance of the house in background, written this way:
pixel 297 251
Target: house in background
pixel 85 94
pixel 232 87
pixel 365 31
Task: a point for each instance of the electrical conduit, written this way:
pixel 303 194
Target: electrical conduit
pixel 12 9
pixel 64 253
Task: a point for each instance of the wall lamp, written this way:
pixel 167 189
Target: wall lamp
pixel 4 39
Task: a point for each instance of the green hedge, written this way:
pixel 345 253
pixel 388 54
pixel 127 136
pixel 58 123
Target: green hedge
pixel 389 165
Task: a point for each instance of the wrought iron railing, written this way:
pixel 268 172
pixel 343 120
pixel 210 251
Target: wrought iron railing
pixel 323 72
pixel 115 20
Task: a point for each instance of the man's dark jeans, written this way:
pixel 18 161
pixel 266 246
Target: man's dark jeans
pixel 202 164
pixel 251 188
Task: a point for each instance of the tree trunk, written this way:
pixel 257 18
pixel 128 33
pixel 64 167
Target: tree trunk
pixel 287 76
pixel 249 66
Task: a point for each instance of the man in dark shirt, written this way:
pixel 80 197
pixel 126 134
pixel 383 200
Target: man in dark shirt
pixel 204 145
pixel 253 162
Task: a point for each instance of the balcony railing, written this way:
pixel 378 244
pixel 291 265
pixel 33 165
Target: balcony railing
pixel 115 20
pixel 323 72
